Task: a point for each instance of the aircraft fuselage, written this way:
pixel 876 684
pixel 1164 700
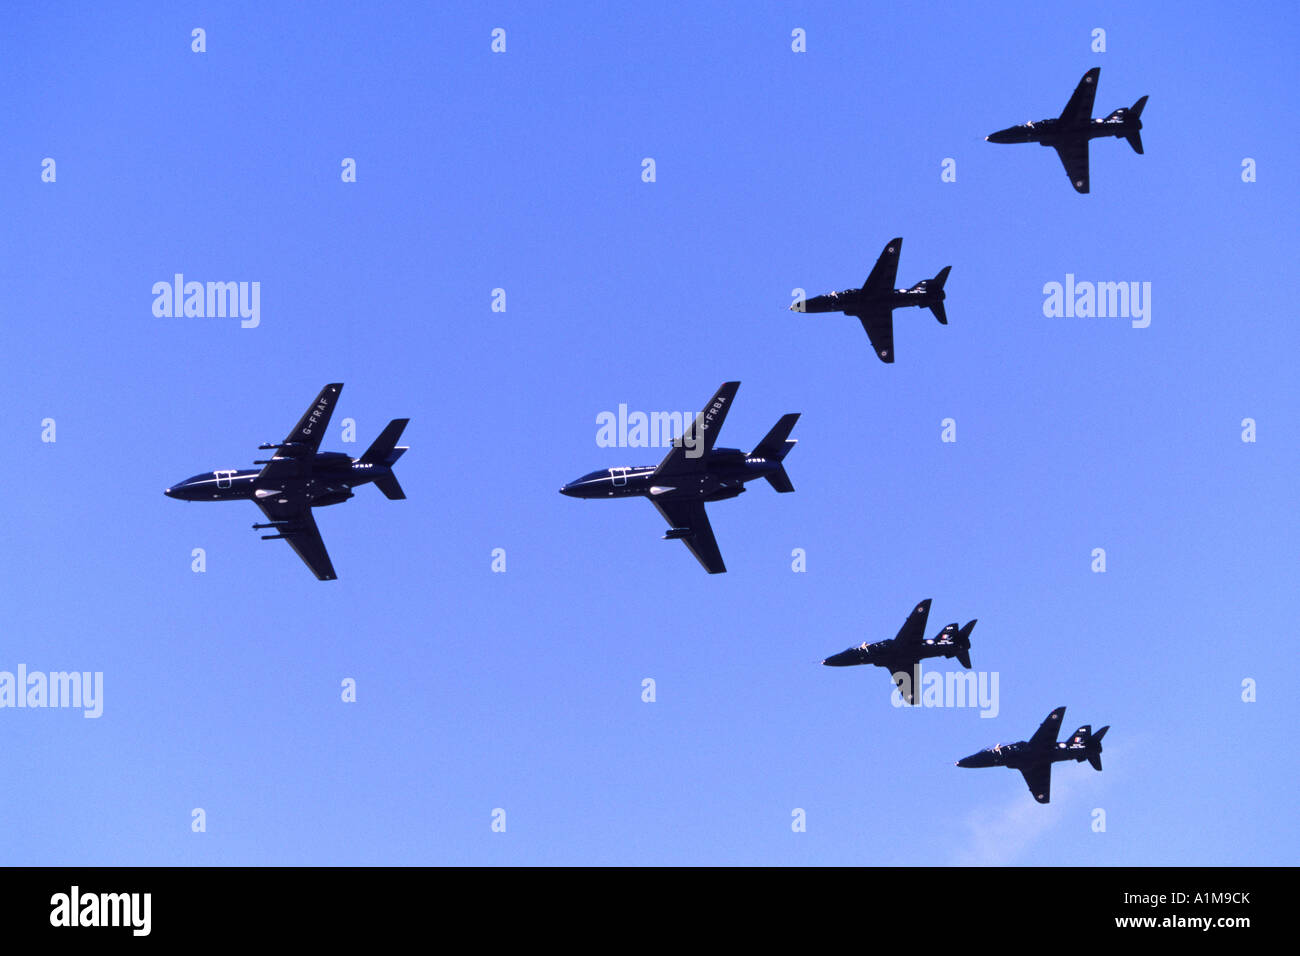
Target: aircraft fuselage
pixel 326 479
pixel 1023 754
pixel 856 301
pixel 887 654
pixel 723 476
pixel 1051 132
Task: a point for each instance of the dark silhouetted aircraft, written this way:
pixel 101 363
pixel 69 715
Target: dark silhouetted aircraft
pixel 875 302
pixel 900 655
pixel 694 472
pixel 1034 757
pixel 1070 132
pixel 298 478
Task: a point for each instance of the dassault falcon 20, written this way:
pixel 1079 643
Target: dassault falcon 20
pixel 874 304
pixel 1070 132
pixel 1034 757
pixel 901 655
pixel 694 472
pixel 299 477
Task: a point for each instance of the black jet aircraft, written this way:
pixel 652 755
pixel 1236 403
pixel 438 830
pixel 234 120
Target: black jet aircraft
pixel 875 302
pixel 1070 132
pixel 298 478
pixel 900 655
pixel 694 472
pixel 1034 757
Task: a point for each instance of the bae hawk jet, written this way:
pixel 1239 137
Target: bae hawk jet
pixel 299 477
pixel 1070 132
pixel 694 472
pixel 874 304
pixel 900 655
pixel 1034 757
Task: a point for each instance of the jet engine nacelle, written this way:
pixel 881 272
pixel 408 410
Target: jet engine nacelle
pixel 727 492
pixel 727 456
pixel 332 498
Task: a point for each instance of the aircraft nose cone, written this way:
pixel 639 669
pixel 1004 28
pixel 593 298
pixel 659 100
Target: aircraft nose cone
pixel 168 493
pixel 567 491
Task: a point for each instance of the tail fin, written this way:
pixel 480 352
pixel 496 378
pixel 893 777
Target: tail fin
pixel 381 450
pixel 936 284
pixel 774 447
pixel 1136 108
pixel 1094 757
pixel 963 643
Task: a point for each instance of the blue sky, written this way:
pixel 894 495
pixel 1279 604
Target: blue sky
pixel 521 690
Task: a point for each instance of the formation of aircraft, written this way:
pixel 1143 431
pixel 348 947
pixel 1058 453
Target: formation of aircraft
pixel 300 477
pixel 696 471
pixel 874 304
pixel 1034 757
pixel 902 653
pixel 1070 133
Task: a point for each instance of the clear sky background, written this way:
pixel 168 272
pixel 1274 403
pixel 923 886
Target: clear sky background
pixel 522 690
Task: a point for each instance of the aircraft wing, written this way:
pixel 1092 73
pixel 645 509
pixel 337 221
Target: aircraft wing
pixel 691 514
pixel 885 271
pixel 702 435
pixel 304 441
pixel 1049 729
pixel 1074 157
pixel 879 324
pixel 300 531
pixel 913 629
pixel 1039 779
pixel 1079 110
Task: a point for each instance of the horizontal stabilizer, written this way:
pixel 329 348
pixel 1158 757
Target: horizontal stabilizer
pixel 939 313
pixel 777 443
pixel 389 486
pixel 1094 756
pixel 1135 140
pixel 780 480
pixel 379 451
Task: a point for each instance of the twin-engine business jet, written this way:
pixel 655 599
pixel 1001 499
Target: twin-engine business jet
pixel 298 478
pixel 1070 133
pixel 694 472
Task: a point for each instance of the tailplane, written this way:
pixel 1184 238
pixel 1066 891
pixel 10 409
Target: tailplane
pixel 774 447
pixel 936 285
pixel 1135 138
pixel 389 486
pixel 385 451
pixel 1094 756
pixel 963 644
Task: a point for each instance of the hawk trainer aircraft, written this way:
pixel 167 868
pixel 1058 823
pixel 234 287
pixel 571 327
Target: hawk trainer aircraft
pixel 1034 757
pixel 875 302
pixel 900 655
pixel 1070 132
